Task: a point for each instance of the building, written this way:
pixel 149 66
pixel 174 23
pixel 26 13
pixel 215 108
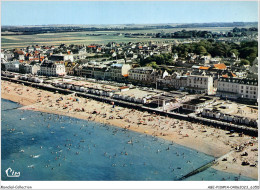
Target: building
pixel 141 74
pixel 8 56
pixel 61 57
pixel 3 58
pixel 19 55
pixel 10 66
pixel 30 49
pixel 200 84
pixel 232 112
pixel 219 66
pixel 99 72
pixel 157 75
pixel 85 70
pixel 119 71
pixel 228 87
pixel 233 88
pixel 173 81
pixel 37 48
pixel 198 104
pixel 69 68
pixel 248 88
pixel 29 69
pixel 49 68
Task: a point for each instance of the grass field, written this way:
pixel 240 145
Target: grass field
pixel 20 41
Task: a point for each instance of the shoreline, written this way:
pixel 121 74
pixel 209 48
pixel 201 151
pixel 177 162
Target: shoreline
pixel 209 140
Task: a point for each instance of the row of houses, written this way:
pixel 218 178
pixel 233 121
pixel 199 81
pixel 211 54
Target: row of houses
pixel 231 88
pixel 234 88
pixel 39 53
pixel 116 93
pixel 77 52
pixel 210 113
pixel 47 68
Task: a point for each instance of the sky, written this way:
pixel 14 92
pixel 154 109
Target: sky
pixel 126 12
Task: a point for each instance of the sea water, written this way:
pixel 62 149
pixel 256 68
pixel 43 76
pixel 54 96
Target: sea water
pixel 43 146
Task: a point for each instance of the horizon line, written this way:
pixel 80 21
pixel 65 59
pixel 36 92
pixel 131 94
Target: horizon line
pixel 138 23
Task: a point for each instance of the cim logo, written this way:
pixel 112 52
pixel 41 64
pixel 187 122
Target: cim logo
pixel 11 173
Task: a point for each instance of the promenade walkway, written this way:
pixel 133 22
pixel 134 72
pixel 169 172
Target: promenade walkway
pixel 192 118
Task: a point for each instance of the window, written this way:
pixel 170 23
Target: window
pixel 241 91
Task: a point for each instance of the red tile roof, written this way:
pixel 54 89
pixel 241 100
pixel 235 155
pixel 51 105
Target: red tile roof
pixel 220 66
pixel 34 59
pixel 204 68
pixel 20 52
pixel 123 87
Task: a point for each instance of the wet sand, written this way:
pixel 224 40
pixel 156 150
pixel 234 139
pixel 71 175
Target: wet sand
pixel 206 139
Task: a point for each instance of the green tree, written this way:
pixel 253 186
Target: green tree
pixel 202 50
pixel 220 49
pixel 160 60
pixel 153 65
pixel 244 62
pixel 170 62
pixel 235 51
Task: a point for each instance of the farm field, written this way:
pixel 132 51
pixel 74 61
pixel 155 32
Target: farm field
pixel 20 41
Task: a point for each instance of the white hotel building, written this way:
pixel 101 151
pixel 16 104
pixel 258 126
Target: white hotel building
pixel 48 68
pixel 141 74
pixel 238 88
pixel 200 84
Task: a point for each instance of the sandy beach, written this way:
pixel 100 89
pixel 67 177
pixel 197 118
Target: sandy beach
pixel 206 139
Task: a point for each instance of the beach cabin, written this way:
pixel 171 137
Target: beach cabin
pixel 81 89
